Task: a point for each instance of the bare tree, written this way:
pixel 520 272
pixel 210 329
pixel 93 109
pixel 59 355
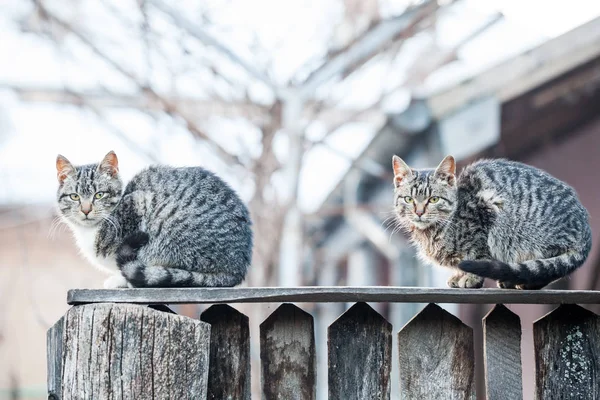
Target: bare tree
pixel 227 83
pixel 290 107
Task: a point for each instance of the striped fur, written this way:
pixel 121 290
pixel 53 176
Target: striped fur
pixel 170 227
pixel 499 219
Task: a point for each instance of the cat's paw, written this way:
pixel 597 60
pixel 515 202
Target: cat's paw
pixel 116 282
pixel 453 281
pixel 470 281
pixel 506 285
pixel 527 286
pixel 520 286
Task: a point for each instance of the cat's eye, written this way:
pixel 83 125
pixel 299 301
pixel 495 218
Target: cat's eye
pixel 434 199
pixel 408 199
pixel 74 196
pixel 99 195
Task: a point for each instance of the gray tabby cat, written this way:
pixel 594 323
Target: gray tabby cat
pixel 499 219
pixel 170 227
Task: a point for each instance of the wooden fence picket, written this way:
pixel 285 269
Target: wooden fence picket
pixel 54 359
pixel 567 354
pixel 229 369
pixel 287 354
pixel 502 354
pixel 360 355
pixel 436 357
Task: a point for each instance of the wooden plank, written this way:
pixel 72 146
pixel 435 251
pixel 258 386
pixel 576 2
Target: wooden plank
pixel 331 294
pixel 360 355
pixel 287 354
pixel 436 357
pixel 567 350
pixel 229 371
pixel 131 352
pixel 54 348
pixel 502 354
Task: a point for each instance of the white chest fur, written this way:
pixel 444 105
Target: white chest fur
pixel 86 239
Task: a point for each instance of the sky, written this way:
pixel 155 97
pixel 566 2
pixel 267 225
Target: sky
pixel 291 33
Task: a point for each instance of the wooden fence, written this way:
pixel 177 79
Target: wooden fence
pixel 113 345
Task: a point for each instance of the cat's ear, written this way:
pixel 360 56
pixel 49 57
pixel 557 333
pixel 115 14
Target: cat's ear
pixel 401 170
pixel 109 164
pixel 447 169
pixel 64 168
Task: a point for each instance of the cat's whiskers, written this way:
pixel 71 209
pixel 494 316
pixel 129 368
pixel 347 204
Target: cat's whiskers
pixel 56 224
pixel 397 224
pixel 389 221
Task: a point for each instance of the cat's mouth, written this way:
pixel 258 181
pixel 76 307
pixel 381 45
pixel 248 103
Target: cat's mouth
pixel 87 221
pixel 421 223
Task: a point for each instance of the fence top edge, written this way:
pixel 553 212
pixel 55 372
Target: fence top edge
pixel 330 294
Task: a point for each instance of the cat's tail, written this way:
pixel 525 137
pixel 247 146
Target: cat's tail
pixel 533 273
pixel 140 275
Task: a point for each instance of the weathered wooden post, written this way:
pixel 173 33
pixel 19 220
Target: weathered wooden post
pixel 229 373
pixel 502 353
pixel 287 353
pixel 360 355
pixel 436 357
pixel 567 350
pixel 125 351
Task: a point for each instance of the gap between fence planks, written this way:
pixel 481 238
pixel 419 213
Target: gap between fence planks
pixel 331 294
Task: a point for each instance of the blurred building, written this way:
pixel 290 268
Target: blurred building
pixel 540 107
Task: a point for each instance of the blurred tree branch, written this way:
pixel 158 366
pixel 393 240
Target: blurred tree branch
pixel 168 106
pixel 201 108
pixel 150 156
pixel 344 61
pixel 197 32
pixel 292 107
pixel 417 73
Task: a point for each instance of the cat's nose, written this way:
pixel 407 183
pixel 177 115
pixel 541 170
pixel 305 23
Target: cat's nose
pixel 419 213
pixel 86 208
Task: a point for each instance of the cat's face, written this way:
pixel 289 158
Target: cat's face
pixel 423 198
pixel 88 193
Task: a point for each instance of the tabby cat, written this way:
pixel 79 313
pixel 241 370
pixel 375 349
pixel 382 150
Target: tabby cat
pixel 170 227
pixel 498 219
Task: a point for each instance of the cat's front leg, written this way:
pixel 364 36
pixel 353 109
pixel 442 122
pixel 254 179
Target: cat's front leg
pixel 462 279
pixel 465 280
